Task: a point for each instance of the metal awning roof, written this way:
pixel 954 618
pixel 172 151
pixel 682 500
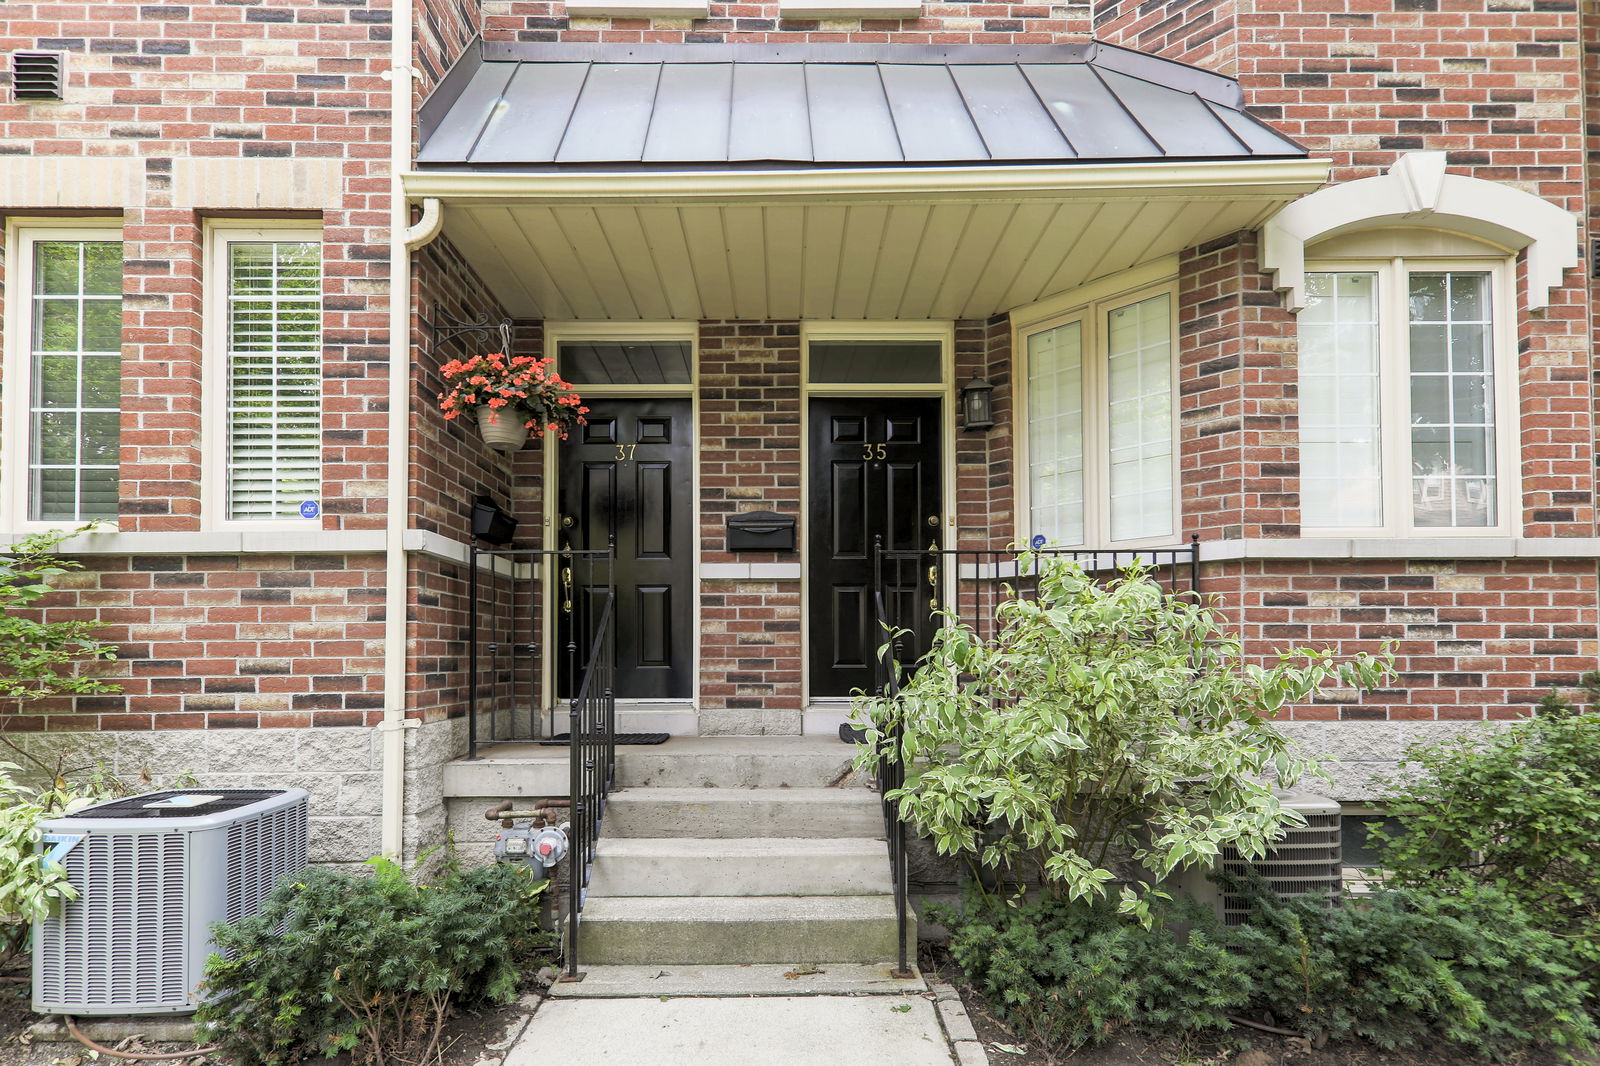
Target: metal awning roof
pixel 833 182
pixel 552 106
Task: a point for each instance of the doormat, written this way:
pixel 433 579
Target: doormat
pixel 562 740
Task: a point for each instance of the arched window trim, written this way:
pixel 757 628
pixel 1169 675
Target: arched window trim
pixel 1417 191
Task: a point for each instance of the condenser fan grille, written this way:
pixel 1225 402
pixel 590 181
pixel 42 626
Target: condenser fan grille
pixel 123 941
pixel 1305 863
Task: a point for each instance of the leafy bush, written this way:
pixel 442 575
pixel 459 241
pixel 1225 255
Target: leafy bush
pixel 1518 810
pixel 371 965
pixel 1101 720
pixel 1407 968
pixel 31 887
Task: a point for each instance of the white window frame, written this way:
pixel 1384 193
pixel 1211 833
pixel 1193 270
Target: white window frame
pixel 219 233
pixel 1394 398
pixel 22 234
pixel 1091 306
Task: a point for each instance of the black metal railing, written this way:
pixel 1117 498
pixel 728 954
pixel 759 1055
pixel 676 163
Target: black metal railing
pixel 505 660
pixel 591 721
pixel 917 590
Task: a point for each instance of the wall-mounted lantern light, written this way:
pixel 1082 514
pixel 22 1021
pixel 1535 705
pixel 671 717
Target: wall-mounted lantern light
pixel 490 524
pixel 977 405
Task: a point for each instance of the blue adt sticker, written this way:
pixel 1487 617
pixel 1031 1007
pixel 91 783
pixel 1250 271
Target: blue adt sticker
pixel 309 509
pixel 1038 540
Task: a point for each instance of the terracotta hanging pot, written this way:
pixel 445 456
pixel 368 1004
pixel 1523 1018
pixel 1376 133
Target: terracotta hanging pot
pixel 503 429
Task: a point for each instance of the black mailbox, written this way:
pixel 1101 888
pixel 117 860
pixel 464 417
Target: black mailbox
pixel 761 531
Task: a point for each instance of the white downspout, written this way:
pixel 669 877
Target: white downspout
pixel 395 723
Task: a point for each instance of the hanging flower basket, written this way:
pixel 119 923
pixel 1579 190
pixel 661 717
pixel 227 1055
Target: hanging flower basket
pixel 503 429
pixel 510 396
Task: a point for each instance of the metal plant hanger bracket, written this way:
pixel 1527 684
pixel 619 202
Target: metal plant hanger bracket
pixel 447 327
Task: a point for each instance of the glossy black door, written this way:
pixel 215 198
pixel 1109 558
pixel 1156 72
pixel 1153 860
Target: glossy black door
pixel 874 471
pixel 628 472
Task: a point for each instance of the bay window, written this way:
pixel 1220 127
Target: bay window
pixel 1101 428
pixel 1405 419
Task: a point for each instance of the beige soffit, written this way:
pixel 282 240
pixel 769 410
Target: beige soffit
pixel 1417 191
pixel 70 182
pixel 257 184
pixel 874 243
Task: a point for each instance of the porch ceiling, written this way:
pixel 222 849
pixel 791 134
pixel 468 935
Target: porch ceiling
pixel 900 243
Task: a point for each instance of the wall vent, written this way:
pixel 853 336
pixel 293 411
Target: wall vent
pixel 38 75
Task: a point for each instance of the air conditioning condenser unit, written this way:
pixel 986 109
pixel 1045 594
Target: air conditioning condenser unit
pixel 1306 862
pixel 153 873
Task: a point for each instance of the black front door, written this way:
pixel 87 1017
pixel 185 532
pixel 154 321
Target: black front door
pixel 628 472
pixel 874 472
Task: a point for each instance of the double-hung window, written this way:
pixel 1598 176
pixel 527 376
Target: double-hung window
pixel 1405 417
pixel 65 384
pixel 265 406
pixel 1101 428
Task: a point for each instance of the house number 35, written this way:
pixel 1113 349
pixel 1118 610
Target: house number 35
pixel 625 452
pixel 874 451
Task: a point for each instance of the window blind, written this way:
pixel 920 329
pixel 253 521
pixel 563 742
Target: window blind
pixel 274 376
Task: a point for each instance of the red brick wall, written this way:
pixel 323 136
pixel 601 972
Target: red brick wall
pixel 213 642
pixel 1473 639
pixel 951 23
pixel 1202 32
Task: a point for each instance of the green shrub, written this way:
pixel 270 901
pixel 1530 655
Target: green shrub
pixel 1407 967
pixel 1068 973
pixel 1102 720
pixel 1403 969
pixel 372 965
pixel 1518 810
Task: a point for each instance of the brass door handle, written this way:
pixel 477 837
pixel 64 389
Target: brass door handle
pixel 566 589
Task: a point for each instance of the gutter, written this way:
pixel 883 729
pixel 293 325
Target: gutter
pixel 1204 179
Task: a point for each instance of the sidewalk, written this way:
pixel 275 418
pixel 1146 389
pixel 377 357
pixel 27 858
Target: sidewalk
pixel 887 1026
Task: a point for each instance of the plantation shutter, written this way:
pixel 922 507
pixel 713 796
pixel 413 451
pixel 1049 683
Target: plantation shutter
pixel 274 378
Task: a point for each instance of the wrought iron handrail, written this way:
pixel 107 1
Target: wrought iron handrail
pixel 891 775
pixel 592 761
pixel 508 615
pixel 980 578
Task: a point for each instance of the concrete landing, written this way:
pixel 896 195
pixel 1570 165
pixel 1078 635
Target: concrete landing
pixel 796 979
pixel 769 1031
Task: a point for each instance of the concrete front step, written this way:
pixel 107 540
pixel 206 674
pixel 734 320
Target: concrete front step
pixel 707 930
pixel 739 762
pixel 743 812
pixel 770 979
pixel 747 866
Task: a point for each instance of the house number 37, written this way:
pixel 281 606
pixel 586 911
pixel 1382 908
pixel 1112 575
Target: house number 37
pixel 874 451
pixel 625 452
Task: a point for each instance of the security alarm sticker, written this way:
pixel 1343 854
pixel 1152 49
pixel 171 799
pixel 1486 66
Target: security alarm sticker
pixel 310 509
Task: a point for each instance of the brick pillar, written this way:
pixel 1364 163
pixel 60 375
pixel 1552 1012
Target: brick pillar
pixel 749 451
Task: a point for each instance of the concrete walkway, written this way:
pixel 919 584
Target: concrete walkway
pixel 741 1016
pixel 757 1031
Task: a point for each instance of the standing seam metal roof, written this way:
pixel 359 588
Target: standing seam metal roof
pixel 554 106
